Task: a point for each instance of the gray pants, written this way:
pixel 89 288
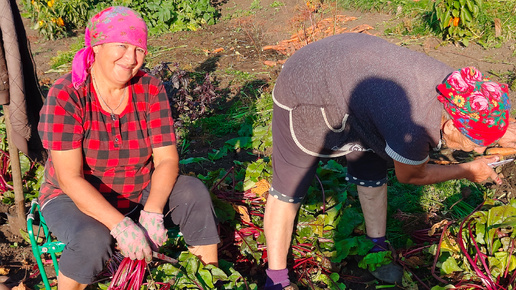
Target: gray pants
pixel 89 244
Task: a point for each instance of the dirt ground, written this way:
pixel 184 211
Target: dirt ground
pixel 242 33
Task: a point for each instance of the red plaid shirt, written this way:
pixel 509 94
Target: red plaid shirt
pixel 117 152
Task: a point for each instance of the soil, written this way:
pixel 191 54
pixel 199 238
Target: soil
pixel 241 33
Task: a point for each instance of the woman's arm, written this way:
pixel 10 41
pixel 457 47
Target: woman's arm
pixel 476 171
pixel 166 164
pixel 68 169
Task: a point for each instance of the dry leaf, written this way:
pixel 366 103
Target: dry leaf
pixel 414 261
pixel 4 271
pixel 261 187
pixel 244 213
pixel 436 226
pixel 362 28
pixel 269 63
pixel 498 27
pixel 21 286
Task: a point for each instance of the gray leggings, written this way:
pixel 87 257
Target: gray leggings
pixel 89 244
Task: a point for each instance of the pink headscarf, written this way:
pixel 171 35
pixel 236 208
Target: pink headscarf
pixel 478 106
pixel 113 24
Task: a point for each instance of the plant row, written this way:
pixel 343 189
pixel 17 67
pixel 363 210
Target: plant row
pixel 470 243
pixel 59 18
pixel 489 23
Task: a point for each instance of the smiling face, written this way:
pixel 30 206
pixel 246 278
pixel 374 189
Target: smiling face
pixel 117 62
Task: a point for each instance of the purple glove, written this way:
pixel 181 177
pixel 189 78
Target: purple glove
pixel 131 240
pixel 154 228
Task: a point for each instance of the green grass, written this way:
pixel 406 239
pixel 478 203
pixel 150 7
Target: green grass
pixel 64 58
pixel 221 124
pixel 416 16
pixel 277 4
pixel 254 6
pixel 443 198
pixel 504 10
pixel 388 6
pixel 244 111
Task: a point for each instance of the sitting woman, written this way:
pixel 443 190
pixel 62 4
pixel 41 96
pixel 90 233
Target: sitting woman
pixel 113 158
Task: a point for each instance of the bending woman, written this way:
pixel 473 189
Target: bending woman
pixel 113 157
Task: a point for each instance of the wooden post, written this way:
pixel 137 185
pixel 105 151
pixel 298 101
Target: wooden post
pixel 19 197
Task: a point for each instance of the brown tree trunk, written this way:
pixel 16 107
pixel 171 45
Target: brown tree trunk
pixel 19 197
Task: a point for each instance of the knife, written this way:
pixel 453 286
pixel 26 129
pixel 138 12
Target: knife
pixel 499 163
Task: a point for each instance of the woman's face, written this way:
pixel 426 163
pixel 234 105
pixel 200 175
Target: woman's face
pixel 465 144
pixel 456 140
pixel 118 62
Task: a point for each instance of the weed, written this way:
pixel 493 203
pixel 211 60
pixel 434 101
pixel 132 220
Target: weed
pixel 255 5
pixel 480 247
pixel 32 172
pixel 489 23
pixel 55 19
pixel 225 123
pixel 240 76
pixel 192 160
pixel 277 4
pixel 65 58
pixel 237 13
pixel 191 94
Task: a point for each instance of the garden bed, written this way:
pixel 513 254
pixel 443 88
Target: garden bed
pixel 233 54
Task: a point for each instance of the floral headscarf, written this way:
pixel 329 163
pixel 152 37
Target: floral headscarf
pixel 113 24
pixel 478 106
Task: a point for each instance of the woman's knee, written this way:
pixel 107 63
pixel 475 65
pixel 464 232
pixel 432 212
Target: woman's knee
pixel 92 239
pixel 190 196
pixel 86 253
pixel 191 190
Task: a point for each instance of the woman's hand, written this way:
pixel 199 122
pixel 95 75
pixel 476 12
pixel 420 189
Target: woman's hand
pixel 425 173
pixel 154 228
pixel 480 170
pixel 131 240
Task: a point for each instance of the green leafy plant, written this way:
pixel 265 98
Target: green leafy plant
pixel 190 273
pixel 47 17
pixel 490 26
pixel 63 59
pixel 481 247
pixel 324 236
pixel 170 15
pixel 56 18
pixel 32 172
pixel 374 260
pixel 190 98
pixel 457 19
pixel 277 4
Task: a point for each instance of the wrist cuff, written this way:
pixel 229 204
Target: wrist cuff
pixel 121 227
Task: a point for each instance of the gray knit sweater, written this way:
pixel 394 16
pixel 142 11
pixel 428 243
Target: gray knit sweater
pixel 357 88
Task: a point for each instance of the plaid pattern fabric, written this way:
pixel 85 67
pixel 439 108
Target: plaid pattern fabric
pixel 117 150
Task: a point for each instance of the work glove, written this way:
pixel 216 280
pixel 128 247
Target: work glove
pixel 154 228
pixel 131 240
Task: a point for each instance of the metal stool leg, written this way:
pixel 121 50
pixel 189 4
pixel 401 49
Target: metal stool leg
pixel 45 246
